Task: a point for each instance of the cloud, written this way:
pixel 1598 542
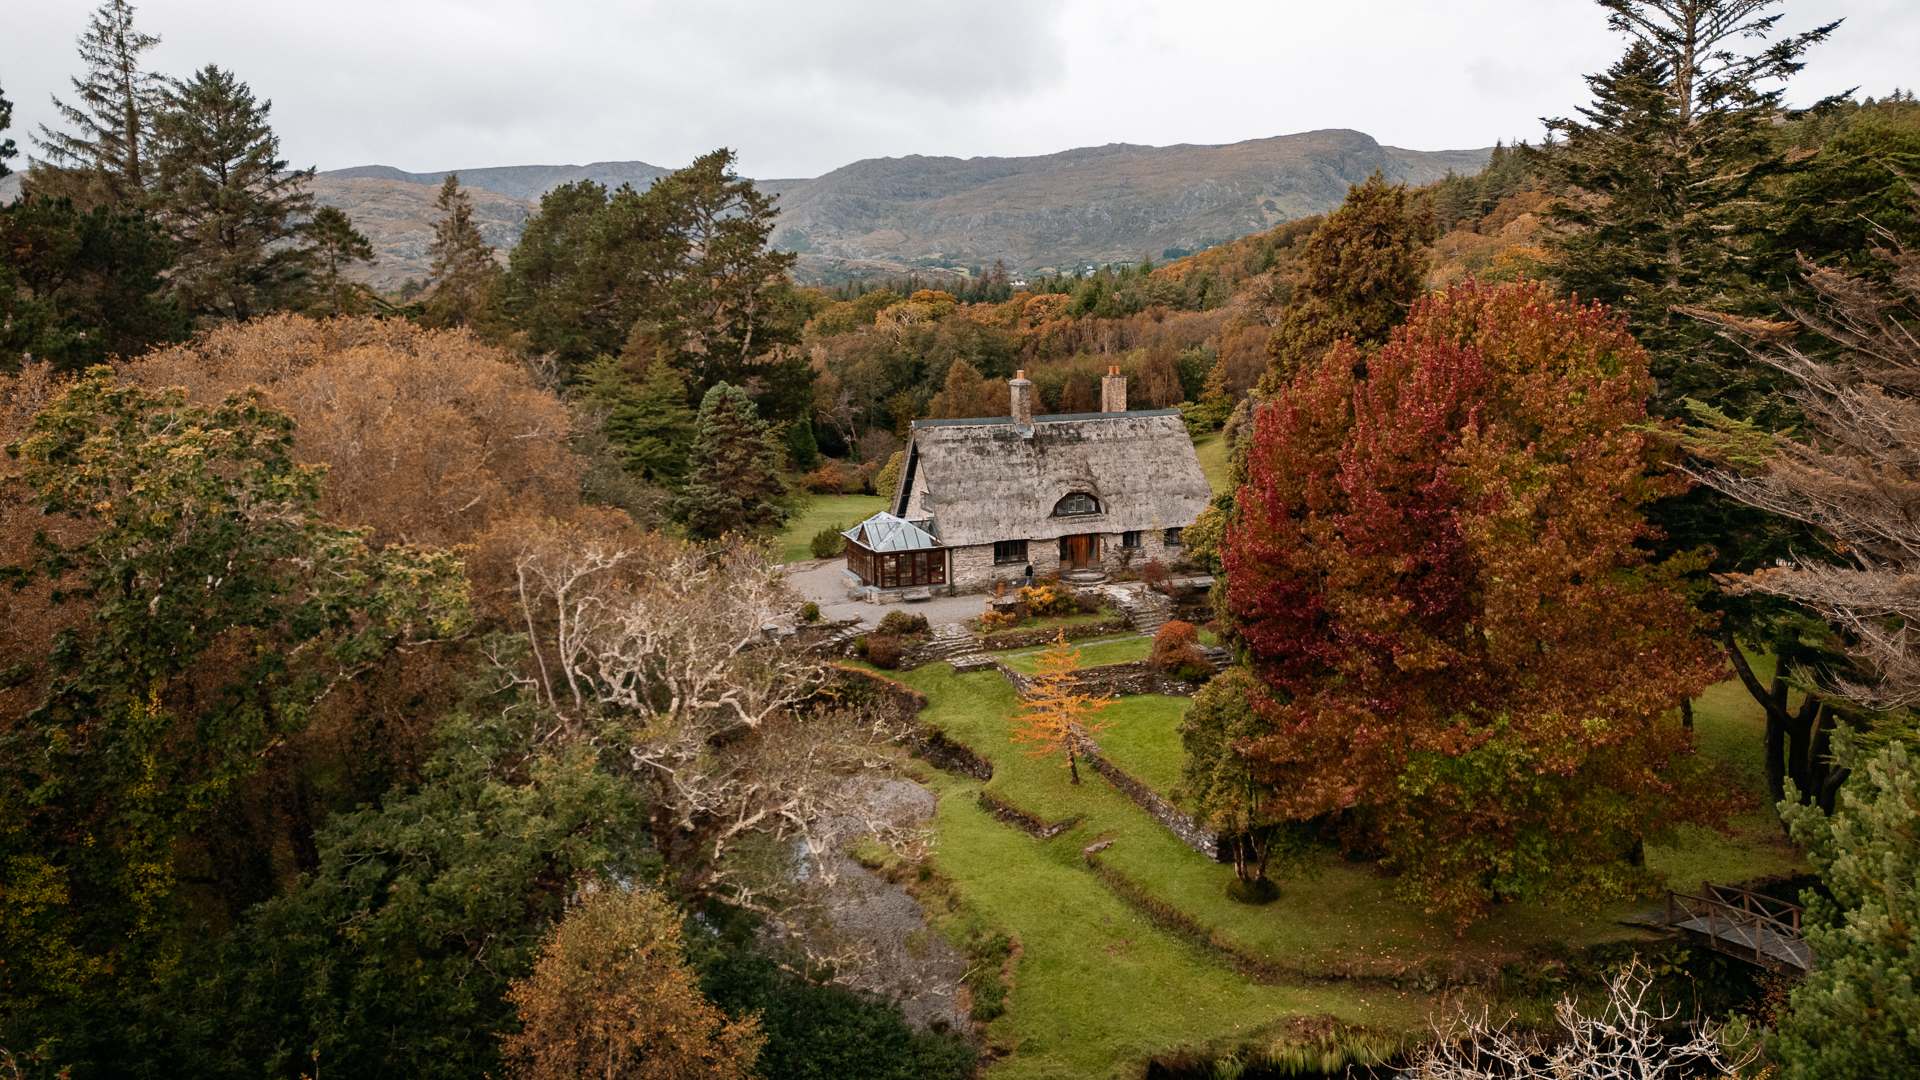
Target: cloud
pixel 802 88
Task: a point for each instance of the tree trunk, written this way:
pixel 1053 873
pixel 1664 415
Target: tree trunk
pixel 1686 714
pixel 1775 704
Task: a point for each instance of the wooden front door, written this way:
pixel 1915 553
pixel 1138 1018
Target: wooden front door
pixel 1079 552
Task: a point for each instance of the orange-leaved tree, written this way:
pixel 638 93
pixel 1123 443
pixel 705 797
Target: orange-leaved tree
pixel 612 996
pixel 1438 576
pixel 1056 714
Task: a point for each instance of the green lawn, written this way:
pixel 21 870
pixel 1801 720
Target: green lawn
pixel 1145 740
pixel 1212 448
pixel 1106 652
pixel 1098 990
pixel 843 511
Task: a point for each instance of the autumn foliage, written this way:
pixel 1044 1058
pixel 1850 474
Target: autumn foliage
pixel 612 997
pixel 1436 577
pixel 1056 715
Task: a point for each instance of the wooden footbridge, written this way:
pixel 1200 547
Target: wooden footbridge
pixel 1754 927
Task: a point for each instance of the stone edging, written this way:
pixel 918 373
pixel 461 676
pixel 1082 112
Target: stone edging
pixel 1176 821
pixel 1126 677
pixel 1042 635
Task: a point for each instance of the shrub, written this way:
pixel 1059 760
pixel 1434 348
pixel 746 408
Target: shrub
pixel 1176 650
pixel 996 620
pixel 901 624
pixel 1154 573
pixel 828 542
pixel 810 612
pixel 829 479
pixel 1088 603
pixel 888 477
pixel 860 645
pixel 1046 601
pixel 884 652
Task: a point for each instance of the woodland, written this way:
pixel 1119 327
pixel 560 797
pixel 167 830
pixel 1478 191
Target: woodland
pixel 401 684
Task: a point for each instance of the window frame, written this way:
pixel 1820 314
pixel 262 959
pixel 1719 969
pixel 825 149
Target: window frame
pixel 1138 540
pixel 1172 537
pixel 1058 510
pixel 1016 549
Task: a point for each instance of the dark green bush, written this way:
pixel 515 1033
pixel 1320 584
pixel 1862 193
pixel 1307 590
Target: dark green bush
pixel 810 612
pixel 901 624
pixel 828 542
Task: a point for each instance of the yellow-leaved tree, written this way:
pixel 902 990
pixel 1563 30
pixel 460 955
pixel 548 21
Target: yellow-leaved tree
pixel 1056 714
pixel 611 996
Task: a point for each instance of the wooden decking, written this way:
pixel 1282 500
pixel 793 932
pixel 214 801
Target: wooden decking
pixel 1753 927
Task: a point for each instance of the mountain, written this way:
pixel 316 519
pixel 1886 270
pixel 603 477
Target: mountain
pixel 884 216
pixel 1092 205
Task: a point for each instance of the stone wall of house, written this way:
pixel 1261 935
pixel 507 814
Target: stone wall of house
pixel 975 571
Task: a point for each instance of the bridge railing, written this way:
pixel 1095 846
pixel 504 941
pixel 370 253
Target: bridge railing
pixel 1726 908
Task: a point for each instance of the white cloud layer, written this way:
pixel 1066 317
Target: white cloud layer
pixel 800 88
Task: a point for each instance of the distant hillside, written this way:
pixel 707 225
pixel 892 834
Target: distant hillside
pixel 883 216
pixel 398 216
pixel 1092 205
pixel 518 181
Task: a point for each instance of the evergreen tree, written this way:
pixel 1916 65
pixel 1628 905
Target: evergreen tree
pixel 1666 161
pixel 228 199
pixel 1857 1015
pixel 6 145
pixel 107 155
pixel 79 287
pixel 1362 270
pixel 337 245
pixel 733 483
pixel 464 273
pixel 647 418
pixel 554 290
pixel 802 445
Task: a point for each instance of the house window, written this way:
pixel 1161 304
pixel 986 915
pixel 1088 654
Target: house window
pixel 1077 503
pixel 1173 538
pixel 1009 551
pixel 1131 539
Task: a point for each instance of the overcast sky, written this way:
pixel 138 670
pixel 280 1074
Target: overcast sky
pixel 799 88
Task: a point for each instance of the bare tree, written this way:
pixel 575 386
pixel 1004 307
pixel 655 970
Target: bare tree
pixel 1856 474
pixel 1625 1040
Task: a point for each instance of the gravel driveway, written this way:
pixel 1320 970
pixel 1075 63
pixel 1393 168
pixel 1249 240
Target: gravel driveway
pixel 824 581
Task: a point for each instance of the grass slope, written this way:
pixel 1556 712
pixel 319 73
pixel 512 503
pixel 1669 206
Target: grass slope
pixel 825 511
pixel 1105 652
pixel 1212 448
pixel 1098 989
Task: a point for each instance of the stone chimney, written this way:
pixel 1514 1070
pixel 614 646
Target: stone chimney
pixel 1022 392
pixel 1113 391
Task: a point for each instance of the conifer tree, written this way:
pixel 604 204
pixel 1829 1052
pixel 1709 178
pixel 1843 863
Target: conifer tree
pixel 228 199
pixel 1666 161
pixel 465 275
pixel 647 417
pixel 107 155
pixel 733 483
pixel 7 150
pixel 1056 715
pixel 337 245
pixel 1363 269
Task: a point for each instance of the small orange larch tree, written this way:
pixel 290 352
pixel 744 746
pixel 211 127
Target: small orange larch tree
pixel 1056 714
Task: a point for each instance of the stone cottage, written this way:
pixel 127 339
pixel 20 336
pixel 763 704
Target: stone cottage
pixel 1087 494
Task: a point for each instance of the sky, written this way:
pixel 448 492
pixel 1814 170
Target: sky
pixel 800 88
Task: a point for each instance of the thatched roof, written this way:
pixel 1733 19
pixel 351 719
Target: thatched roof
pixel 982 480
pixel 885 532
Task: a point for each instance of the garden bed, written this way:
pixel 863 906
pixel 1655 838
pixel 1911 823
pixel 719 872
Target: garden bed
pixel 1044 634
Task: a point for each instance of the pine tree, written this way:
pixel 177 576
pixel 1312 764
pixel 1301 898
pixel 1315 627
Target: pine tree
pixel 7 149
pixel 803 446
pixel 228 199
pixel 107 155
pixel 1857 1015
pixel 465 276
pixel 1665 162
pixel 1362 269
pixel 647 417
pixel 733 483
pixel 337 245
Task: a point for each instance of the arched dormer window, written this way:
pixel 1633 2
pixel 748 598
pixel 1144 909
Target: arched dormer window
pixel 1077 503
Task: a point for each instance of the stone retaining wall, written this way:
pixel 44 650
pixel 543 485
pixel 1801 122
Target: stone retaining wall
pixel 1128 677
pixel 1042 636
pixel 1176 821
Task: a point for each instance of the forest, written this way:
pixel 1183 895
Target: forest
pixel 413 685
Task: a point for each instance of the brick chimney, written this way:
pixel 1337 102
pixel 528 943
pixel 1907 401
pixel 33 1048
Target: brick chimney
pixel 1022 393
pixel 1113 391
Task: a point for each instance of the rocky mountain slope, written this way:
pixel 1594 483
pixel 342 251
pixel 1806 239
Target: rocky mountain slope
pixel 883 216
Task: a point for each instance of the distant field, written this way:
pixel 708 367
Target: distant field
pixel 844 511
